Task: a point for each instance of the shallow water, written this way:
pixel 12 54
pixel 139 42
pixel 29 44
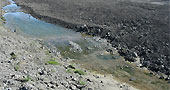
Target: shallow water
pixel 59 37
pixel 38 29
pixel 25 23
pixel 95 58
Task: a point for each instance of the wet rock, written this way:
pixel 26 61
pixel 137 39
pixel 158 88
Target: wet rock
pixel 167 78
pixel 132 79
pixel 75 47
pixel 89 48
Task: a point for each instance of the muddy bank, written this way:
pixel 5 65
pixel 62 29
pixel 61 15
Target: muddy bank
pixel 134 28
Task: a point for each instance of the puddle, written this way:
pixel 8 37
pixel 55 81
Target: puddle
pixel 51 34
pixel 87 50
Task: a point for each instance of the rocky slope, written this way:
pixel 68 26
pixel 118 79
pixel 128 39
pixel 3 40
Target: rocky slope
pixel 134 27
pixel 25 64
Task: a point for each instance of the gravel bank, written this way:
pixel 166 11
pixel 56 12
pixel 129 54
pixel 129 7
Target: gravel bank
pixel 25 64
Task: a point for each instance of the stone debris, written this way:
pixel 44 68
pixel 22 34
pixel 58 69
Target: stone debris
pixel 75 47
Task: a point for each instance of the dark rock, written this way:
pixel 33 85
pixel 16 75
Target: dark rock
pixel 161 77
pixel 72 87
pixel 89 80
pixel 52 87
pixel 132 79
pixel 23 88
pixel 80 86
pixel 90 89
pixel 167 78
pixel 71 66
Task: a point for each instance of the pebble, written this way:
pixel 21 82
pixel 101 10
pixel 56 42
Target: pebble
pixel 72 87
pixel 132 79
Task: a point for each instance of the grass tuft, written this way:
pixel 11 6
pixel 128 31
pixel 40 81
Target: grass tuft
pixel 26 79
pixel 82 83
pixel 16 68
pixel 80 72
pixel 69 70
pixel 52 62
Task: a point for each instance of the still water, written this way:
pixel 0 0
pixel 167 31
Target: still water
pixel 58 36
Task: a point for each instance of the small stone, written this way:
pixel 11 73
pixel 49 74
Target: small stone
pixel 8 89
pixel 121 86
pixel 9 61
pixel 80 86
pixel 161 77
pixel 96 76
pixel 51 82
pixel 23 88
pixel 89 80
pixel 74 79
pixel 132 79
pixel 52 87
pixel 89 48
pixel 71 66
pixel 24 58
pixel 72 87
pixel 90 89
pixel 168 78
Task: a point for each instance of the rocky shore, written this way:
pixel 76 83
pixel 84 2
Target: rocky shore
pixel 135 28
pixel 26 64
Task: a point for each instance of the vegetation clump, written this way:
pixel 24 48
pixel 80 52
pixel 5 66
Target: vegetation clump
pixel 26 79
pixel 53 62
pixel 69 70
pixel 16 68
pixel 47 52
pixel 80 72
pixel 82 83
